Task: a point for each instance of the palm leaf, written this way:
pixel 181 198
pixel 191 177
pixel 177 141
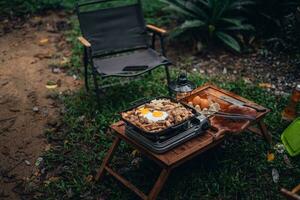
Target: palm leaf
pixel 229 41
pixel 236 21
pixel 197 10
pixel 242 27
pixel 237 5
pixel 192 24
pixel 178 8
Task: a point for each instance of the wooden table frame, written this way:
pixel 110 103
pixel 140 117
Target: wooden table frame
pixel 168 161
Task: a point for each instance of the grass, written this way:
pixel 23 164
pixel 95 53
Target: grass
pixel 237 169
pixel 152 8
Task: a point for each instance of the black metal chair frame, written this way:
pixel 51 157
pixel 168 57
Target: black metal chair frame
pixel 88 56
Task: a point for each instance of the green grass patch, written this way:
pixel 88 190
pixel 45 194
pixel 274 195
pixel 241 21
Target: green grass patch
pixel 238 169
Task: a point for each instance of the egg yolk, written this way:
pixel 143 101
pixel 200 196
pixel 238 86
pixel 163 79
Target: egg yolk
pixel 144 111
pixel 157 114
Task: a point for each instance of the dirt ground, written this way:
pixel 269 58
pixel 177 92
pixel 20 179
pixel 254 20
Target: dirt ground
pixel 31 54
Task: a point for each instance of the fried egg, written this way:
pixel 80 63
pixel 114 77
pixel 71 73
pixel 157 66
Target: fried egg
pixel 144 111
pixel 156 116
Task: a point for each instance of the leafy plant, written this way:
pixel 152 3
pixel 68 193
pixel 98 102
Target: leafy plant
pixel 268 14
pixel 212 19
pixel 276 21
pixel 20 7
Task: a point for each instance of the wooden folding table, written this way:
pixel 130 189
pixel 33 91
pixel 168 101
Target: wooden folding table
pixel 180 154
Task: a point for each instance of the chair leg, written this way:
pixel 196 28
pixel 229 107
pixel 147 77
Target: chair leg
pixel 85 62
pixel 97 91
pixel 86 82
pixel 168 79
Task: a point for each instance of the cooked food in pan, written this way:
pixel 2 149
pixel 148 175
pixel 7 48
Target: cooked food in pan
pixel 157 115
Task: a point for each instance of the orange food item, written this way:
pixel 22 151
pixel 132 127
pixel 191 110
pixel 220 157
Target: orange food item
pixel 197 101
pixel 204 103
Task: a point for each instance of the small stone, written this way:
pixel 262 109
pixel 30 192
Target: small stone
pixel 43 170
pixel 209 71
pixel 56 70
pixel 201 71
pixel 235 72
pixel 277 93
pixel 225 70
pixel 27 162
pixel 35 109
pixel 38 161
pixel 275 175
pixel 75 77
pixel 81 118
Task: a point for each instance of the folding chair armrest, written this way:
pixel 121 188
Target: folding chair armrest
pixel 157 30
pixel 84 42
pixel 296 189
pixel 289 194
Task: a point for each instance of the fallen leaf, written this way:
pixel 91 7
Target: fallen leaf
pixel 48 147
pixel 89 178
pixel 64 61
pixel 287 161
pixel 51 86
pixel 37 173
pixel 44 41
pixel 27 162
pixel 135 153
pixel 270 156
pixel 43 55
pixel 265 85
pixel 51 179
pixel 54 178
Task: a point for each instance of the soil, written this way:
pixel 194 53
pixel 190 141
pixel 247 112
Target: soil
pixel 32 54
pixel 274 71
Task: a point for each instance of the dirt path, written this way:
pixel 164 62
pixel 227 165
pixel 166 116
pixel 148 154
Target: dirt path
pixel 26 105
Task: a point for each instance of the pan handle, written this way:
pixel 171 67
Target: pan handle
pixel 139 101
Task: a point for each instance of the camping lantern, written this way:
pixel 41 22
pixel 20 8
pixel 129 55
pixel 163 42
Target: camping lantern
pixel 182 87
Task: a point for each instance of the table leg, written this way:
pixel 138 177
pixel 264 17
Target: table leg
pixel 159 183
pixel 266 134
pixel 107 158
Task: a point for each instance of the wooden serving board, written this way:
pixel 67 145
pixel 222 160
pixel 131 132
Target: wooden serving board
pixel 214 93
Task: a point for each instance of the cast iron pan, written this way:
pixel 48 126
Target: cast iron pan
pixel 166 133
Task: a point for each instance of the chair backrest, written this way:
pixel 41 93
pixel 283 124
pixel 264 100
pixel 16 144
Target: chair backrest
pixel 115 29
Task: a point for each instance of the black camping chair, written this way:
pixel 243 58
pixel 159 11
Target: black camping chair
pixel 116 42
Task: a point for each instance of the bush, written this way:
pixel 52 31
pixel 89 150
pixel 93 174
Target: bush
pixel 268 15
pixel 276 21
pixel 22 7
pixel 212 19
